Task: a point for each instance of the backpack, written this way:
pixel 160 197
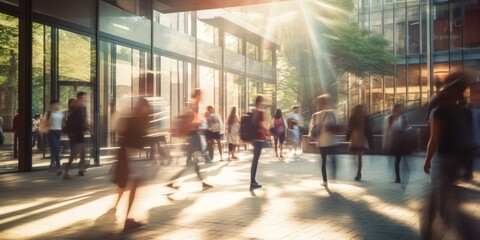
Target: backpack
pixel 183 125
pixel 248 127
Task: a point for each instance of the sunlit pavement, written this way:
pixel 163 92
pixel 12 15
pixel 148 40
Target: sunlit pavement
pixel 291 205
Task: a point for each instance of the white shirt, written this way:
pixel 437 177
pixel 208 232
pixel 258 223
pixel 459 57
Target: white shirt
pixel 56 120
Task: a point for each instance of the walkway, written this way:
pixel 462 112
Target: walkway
pixel 292 204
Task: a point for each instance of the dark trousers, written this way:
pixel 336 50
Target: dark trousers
pixel 257 150
pixel 231 147
pixel 16 137
pixel 398 158
pixel 54 137
pixel 323 153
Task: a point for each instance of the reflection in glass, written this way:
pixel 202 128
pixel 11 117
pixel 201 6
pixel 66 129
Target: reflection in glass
pixel 440 27
pixel 234 43
pixel 210 84
pixel 400 31
pixel 74 57
pixel 252 51
pixel 235 92
pixel 8 89
pixel 413 30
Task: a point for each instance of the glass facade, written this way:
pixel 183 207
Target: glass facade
pixel 429 39
pixel 113 51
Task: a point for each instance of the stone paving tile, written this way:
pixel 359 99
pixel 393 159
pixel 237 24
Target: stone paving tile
pixel 292 204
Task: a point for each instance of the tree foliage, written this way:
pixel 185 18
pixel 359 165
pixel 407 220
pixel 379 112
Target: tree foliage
pixel 360 52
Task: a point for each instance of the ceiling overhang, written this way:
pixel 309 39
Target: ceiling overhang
pixel 193 5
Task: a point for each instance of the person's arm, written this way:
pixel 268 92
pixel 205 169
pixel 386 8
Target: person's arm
pixel 432 142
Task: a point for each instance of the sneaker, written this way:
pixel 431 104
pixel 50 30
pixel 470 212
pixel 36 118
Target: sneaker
pixel 66 176
pixel 81 173
pixel 131 224
pixel 254 186
pixel 170 185
pixel 358 177
pixel 59 172
pixel 325 184
pixel 206 186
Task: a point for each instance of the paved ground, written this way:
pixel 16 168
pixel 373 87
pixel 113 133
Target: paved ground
pixel 292 204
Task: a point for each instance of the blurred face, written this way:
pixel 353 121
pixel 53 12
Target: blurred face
pixel 295 110
pixel 82 100
pixel 54 107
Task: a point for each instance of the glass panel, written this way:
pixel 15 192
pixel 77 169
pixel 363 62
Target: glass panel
pixel 440 27
pixel 456 33
pixel 376 22
pixel 400 31
pixel 268 57
pixel 236 93
pixel 140 8
pixel 375 5
pixel 413 30
pixel 401 84
pixel 254 89
pixel 173 41
pixel 414 94
pixel 472 18
pixel 424 31
pixel 268 73
pixel 440 72
pixel 252 51
pixel 254 67
pixel 210 84
pixel 12 2
pixel 377 94
pixel 234 61
pixel 75 57
pixel 120 23
pixel 425 84
pixel 209 52
pixel 388 24
pixel 8 91
pixel 207 32
pixel 233 43
pixel 269 94
pixel 77 12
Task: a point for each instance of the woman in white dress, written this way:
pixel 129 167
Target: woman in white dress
pixel 233 133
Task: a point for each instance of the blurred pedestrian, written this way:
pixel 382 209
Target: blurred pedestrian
pixel 54 118
pixel 277 130
pixel 196 140
pixel 233 133
pixel 450 131
pixel 395 130
pixel 259 141
pixel 295 125
pixel 214 131
pixel 76 126
pixel 36 141
pixel 359 133
pixel 320 129
pixel 132 130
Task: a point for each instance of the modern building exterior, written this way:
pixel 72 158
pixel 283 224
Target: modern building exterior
pixel 112 50
pixel 429 38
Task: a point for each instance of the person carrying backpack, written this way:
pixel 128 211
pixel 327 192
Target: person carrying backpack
pixel 277 130
pixel 261 134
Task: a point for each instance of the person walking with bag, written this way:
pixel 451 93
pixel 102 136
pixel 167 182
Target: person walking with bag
pixel 395 130
pixel 359 133
pixel 321 130
pixel 233 131
pixel 277 130
pixel 295 125
pixel 259 141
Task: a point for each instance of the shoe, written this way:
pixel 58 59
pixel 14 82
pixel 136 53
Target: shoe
pixel 254 186
pixel 235 158
pixel 59 173
pixel 81 173
pixel 66 176
pixel 397 180
pixel 358 177
pixel 170 185
pixel 131 224
pixel 324 184
pixel 281 156
pixel 206 186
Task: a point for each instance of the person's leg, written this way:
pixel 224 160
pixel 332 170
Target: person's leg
pixel 359 166
pixel 281 141
pixel 230 151
pixel 323 155
pixel 51 140
pixel 257 150
pixel 119 196
pixel 81 164
pixel 275 141
pixel 210 142
pixel 219 144
pixel 73 155
pixel 130 223
pixel 397 168
pixel 233 150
